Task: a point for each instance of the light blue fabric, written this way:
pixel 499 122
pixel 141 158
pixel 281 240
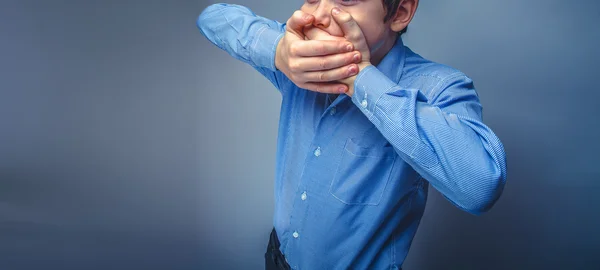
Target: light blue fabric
pixel 352 173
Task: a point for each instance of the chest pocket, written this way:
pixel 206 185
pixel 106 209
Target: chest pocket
pixel 363 173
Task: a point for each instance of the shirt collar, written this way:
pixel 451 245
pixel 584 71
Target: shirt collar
pixel 392 63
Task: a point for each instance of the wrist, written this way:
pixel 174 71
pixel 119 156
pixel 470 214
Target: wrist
pixel 350 81
pixel 277 55
pixel 362 66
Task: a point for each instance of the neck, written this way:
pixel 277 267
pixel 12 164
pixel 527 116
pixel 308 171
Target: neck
pixel 379 53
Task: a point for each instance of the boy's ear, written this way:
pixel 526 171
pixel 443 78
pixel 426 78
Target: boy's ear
pixel 404 14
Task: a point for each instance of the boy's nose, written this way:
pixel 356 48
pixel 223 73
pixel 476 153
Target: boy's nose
pixel 322 15
pixel 323 18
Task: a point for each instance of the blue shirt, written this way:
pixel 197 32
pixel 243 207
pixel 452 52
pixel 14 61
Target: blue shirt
pixel 352 173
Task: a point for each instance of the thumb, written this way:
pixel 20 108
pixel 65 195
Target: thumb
pixel 296 23
pixel 352 31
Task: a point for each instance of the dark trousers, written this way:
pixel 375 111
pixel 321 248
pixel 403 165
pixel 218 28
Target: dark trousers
pixel 274 259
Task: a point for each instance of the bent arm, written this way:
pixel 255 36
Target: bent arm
pixel 244 35
pixel 443 139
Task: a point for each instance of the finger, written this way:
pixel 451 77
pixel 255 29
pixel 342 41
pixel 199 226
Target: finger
pixel 332 74
pixel 327 87
pixel 297 22
pixel 320 47
pixel 326 62
pixel 352 31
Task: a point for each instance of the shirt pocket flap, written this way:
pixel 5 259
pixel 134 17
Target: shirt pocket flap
pixel 354 148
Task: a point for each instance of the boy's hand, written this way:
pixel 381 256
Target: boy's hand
pixel 354 34
pixel 316 65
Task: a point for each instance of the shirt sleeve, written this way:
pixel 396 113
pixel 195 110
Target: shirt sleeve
pixel 443 139
pixel 245 36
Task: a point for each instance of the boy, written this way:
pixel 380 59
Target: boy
pixel 353 170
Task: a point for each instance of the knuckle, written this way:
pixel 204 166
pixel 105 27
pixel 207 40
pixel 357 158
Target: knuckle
pixel 322 76
pixel 346 17
pixel 323 64
pixel 294 48
pixel 294 66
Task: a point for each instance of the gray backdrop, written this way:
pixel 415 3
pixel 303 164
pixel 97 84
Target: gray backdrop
pixel 128 141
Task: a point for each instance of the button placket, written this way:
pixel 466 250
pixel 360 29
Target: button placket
pixel 332 111
pixel 364 103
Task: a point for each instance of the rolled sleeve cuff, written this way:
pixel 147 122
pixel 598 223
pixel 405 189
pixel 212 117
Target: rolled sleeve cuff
pixel 369 86
pixel 265 47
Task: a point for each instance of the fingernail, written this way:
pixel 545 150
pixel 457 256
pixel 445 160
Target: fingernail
pixel 335 11
pixel 342 89
pixel 349 47
pixel 352 70
pixel 356 57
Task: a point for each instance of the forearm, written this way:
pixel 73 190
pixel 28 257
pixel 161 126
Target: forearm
pixel 241 33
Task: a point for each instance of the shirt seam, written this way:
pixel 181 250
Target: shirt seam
pixel 259 33
pixel 438 89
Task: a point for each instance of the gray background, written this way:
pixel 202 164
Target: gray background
pixel 128 141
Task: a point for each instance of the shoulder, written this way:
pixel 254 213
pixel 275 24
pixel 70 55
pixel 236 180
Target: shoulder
pixel 428 76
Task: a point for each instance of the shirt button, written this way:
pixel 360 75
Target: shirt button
pixel 303 196
pixel 364 103
pixel 295 234
pixel 333 111
pixel 318 152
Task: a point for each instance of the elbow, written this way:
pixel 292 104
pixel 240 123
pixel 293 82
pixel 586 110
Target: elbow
pixel 479 198
pixel 479 186
pixel 480 205
pixel 209 12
